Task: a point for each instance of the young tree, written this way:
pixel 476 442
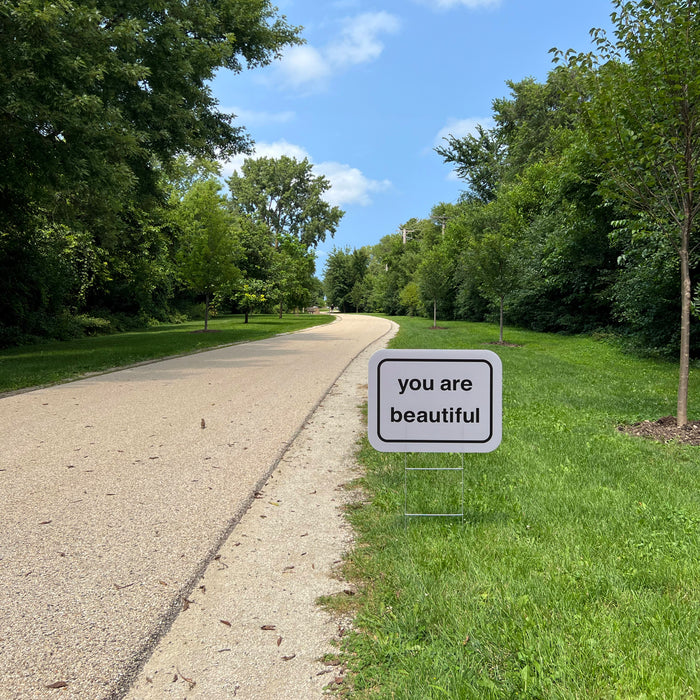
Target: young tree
pixel 434 278
pixel 250 296
pixel 643 116
pixel 208 248
pixel 493 260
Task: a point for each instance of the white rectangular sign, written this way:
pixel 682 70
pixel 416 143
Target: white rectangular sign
pixel 435 400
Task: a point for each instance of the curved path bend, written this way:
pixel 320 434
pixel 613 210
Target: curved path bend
pixel 118 491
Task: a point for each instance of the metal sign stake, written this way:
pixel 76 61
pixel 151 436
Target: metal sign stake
pixel 408 469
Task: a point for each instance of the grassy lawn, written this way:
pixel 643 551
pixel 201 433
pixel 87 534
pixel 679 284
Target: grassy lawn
pixel 576 572
pixel 47 363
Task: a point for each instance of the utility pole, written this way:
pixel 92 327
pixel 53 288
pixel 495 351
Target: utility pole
pixel 405 232
pixel 442 219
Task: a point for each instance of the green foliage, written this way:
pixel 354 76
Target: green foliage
pixel 96 101
pixel 573 574
pixel 344 279
pixel 93 95
pixel 410 299
pixel 283 201
pixel 251 296
pixel 293 274
pixel 478 159
pixel 284 195
pixel 209 247
pixel 642 111
pixel 434 279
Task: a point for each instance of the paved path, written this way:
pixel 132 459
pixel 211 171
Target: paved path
pixel 118 490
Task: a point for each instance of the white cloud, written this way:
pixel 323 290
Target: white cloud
pixel 462 127
pixel 348 185
pixel 359 41
pixel 302 65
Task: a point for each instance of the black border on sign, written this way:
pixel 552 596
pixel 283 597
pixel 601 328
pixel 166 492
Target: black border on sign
pixel 431 442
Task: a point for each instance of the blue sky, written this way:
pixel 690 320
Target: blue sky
pixel 379 82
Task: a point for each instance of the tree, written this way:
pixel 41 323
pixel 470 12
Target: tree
pixel 250 296
pixel 643 118
pixel 93 96
pixel 209 249
pixel 478 159
pixel 95 100
pixel 285 195
pixel 292 279
pixel 410 298
pixel 345 278
pixel 434 278
pixel 493 259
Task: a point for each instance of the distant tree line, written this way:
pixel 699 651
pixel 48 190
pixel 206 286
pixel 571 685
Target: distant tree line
pixel 112 211
pixel 581 202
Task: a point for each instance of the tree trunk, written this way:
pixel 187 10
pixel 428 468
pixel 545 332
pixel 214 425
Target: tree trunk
pixel 684 366
pixel 280 311
pixel 434 313
pixel 246 316
pixel 206 311
pixel 500 328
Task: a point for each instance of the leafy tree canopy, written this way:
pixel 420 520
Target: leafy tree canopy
pixel 285 195
pixel 95 94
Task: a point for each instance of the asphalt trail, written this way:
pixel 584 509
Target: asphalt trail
pixel 118 490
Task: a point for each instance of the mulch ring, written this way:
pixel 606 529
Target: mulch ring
pixel 665 430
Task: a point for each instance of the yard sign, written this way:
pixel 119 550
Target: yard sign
pixel 435 401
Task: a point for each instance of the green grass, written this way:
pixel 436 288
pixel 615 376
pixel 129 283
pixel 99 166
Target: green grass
pixel 47 363
pixel 576 573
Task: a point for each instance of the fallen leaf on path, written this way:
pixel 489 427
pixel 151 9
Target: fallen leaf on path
pixel 288 658
pixel 57 684
pixel 279 641
pixel 268 628
pixel 187 680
